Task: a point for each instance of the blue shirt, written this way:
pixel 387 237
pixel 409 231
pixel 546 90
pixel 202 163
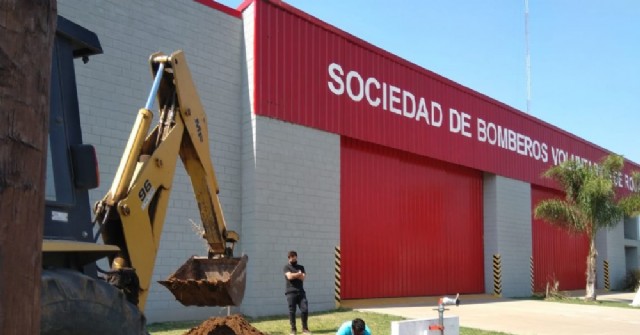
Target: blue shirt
pixel 345 329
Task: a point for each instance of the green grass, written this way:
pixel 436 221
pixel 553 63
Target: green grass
pixel 580 301
pixel 471 331
pixel 325 323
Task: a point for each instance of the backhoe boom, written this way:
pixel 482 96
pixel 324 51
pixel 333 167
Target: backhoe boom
pixel 133 212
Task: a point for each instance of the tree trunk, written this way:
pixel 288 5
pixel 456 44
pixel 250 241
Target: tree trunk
pixel 27 30
pixel 590 293
pixel 636 298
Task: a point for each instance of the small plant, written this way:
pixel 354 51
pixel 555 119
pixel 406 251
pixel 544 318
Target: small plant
pixel 632 280
pixel 552 290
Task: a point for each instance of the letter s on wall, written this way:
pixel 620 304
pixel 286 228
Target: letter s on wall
pixel 337 85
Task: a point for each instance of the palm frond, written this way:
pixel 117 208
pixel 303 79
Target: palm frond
pixel 562 214
pixel 611 164
pixel 631 204
pixel 590 196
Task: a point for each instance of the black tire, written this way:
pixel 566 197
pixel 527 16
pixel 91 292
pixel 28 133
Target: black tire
pixel 75 304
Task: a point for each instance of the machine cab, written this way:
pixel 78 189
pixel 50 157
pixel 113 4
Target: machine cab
pixel 72 167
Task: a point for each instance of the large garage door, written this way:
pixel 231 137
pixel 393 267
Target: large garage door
pixel 557 254
pixel 410 226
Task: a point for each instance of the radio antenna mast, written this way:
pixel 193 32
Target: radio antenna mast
pixel 528 57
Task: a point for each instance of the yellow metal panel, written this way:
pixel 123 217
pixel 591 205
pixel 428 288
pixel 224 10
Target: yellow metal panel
pixel 141 234
pixel 197 158
pixel 73 246
pixel 132 150
pixel 193 114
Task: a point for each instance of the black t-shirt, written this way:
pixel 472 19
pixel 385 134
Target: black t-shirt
pixel 293 285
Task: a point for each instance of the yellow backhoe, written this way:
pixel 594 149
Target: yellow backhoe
pixel 133 211
pixel 130 217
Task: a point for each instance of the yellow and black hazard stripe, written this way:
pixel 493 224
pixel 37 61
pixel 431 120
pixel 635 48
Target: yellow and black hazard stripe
pixel 497 275
pixel 337 276
pixel 607 282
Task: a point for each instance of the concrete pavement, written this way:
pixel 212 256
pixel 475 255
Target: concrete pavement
pixel 521 317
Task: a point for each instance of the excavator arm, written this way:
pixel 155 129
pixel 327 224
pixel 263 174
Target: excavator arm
pixel 132 214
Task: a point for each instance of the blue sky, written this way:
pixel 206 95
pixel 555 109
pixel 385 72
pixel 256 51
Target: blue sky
pixel 585 55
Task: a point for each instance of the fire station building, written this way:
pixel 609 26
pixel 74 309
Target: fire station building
pixel 407 182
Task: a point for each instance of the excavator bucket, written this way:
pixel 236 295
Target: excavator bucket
pixel 209 282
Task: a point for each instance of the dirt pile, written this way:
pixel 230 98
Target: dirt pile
pixel 229 325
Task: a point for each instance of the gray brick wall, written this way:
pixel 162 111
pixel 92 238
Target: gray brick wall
pixel 632 243
pixel 114 85
pixel 507 231
pixel 290 200
pixel 610 245
pixel 294 205
pixel 632 229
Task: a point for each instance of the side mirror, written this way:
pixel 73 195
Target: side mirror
pixel 85 166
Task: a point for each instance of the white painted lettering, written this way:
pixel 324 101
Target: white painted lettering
pixel 459 122
pixel 466 124
pixel 617 179
pixel 436 114
pixel 481 129
pixel 350 76
pixel 454 121
pixel 545 155
pixel 558 155
pixel 491 128
pixel 337 85
pixel 394 99
pixel 503 135
pixel 513 145
pixel 527 146
pixel 384 96
pixel 422 111
pixel 408 104
pixel 367 91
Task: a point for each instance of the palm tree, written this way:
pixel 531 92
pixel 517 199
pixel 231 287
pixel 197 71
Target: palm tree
pixel 590 204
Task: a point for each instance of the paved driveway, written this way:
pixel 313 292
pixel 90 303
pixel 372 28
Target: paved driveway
pixel 525 317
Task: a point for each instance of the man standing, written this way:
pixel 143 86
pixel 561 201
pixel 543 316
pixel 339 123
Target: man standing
pixel 294 277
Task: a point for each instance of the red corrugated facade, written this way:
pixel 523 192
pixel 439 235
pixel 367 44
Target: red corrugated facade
pixel 557 254
pixel 413 148
pixel 310 73
pixel 410 225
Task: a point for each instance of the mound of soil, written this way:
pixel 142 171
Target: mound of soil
pixel 229 325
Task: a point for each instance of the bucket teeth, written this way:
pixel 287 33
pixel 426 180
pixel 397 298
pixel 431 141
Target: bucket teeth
pixel 209 282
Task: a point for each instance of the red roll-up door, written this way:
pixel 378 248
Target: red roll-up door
pixel 410 225
pixel 557 254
